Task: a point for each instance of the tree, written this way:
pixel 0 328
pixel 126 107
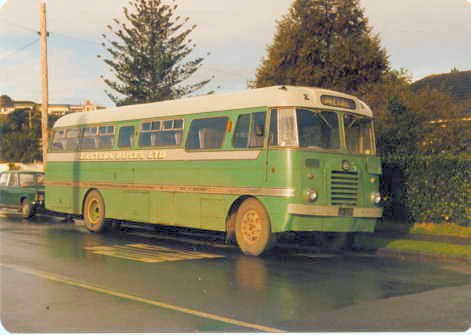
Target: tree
pixel 19 142
pixel 323 43
pixel 409 122
pixel 149 54
pixel 421 144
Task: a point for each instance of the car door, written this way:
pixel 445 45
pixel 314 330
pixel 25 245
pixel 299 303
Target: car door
pixel 27 186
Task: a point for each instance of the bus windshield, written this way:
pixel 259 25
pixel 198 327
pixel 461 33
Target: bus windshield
pixel 318 130
pixel 359 134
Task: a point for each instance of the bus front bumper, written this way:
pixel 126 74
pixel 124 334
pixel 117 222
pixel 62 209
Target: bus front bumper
pixel 335 211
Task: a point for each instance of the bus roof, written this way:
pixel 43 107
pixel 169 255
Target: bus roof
pixel 276 96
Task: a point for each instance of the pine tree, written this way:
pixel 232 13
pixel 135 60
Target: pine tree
pixel 149 54
pixel 323 43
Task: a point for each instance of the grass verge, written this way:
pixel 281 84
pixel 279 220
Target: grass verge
pixel 446 229
pixel 430 247
pixel 436 229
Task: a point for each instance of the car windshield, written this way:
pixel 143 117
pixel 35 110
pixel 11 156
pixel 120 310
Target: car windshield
pixel 359 134
pixel 318 130
pixel 26 180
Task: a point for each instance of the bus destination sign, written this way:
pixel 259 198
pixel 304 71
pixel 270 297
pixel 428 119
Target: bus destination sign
pixel 334 101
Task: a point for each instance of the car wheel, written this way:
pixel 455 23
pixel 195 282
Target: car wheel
pixel 27 211
pixel 253 228
pixel 94 213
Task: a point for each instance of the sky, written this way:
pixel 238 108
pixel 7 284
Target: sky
pixel 422 36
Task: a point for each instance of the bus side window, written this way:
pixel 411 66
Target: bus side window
pixel 166 133
pixel 241 133
pixel 126 137
pixel 250 131
pixel 72 139
pixel 105 137
pixel 88 140
pixel 58 141
pixel 207 133
pixel 257 134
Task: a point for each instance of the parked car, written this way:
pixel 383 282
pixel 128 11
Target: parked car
pixel 22 190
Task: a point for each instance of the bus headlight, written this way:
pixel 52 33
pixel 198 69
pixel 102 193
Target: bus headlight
pixel 311 195
pixel 375 198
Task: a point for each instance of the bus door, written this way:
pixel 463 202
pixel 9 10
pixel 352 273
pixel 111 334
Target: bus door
pixel 282 127
pixel 249 134
pixel 134 204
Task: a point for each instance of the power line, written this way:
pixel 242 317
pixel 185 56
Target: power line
pixel 66 35
pixel 70 36
pixel 19 49
pixel 12 22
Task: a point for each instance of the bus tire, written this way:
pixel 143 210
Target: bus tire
pixel 230 228
pixel 94 213
pixel 253 228
pixel 27 211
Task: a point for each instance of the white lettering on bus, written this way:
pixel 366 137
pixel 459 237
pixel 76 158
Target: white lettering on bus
pixel 123 155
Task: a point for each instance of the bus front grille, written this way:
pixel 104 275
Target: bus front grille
pixel 344 188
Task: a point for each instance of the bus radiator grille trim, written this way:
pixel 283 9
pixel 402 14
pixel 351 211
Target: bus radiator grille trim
pixel 344 188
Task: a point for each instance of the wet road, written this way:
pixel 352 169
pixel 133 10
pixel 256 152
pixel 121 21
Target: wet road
pixel 57 277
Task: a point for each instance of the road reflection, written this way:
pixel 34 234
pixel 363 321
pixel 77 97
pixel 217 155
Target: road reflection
pixel 277 287
pixel 250 274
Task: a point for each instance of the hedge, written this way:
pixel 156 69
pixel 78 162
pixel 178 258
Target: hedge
pixel 437 188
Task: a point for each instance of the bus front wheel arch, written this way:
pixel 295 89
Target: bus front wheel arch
pixel 230 219
pixel 94 212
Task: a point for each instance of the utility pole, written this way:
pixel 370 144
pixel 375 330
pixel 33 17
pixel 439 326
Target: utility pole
pixel 44 78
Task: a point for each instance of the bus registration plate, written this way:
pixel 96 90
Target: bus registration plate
pixel 346 212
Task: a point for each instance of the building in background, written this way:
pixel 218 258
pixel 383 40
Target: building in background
pixel 457 84
pixel 8 105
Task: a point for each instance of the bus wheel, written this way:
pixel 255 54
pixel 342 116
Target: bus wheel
pixel 94 213
pixel 26 209
pixel 253 229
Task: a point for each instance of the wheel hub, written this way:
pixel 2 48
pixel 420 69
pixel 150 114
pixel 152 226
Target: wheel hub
pixel 94 211
pixel 251 226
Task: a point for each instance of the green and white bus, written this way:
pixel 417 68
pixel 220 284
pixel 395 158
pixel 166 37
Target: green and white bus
pixel 253 164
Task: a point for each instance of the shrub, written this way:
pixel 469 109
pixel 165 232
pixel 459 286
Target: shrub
pixel 436 188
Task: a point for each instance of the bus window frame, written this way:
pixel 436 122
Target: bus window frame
pixel 340 135
pixel 79 136
pixel 343 144
pixel 51 141
pixel 134 140
pixel 83 136
pixel 162 121
pixel 266 130
pixel 372 135
pixel 113 135
pixel 222 146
